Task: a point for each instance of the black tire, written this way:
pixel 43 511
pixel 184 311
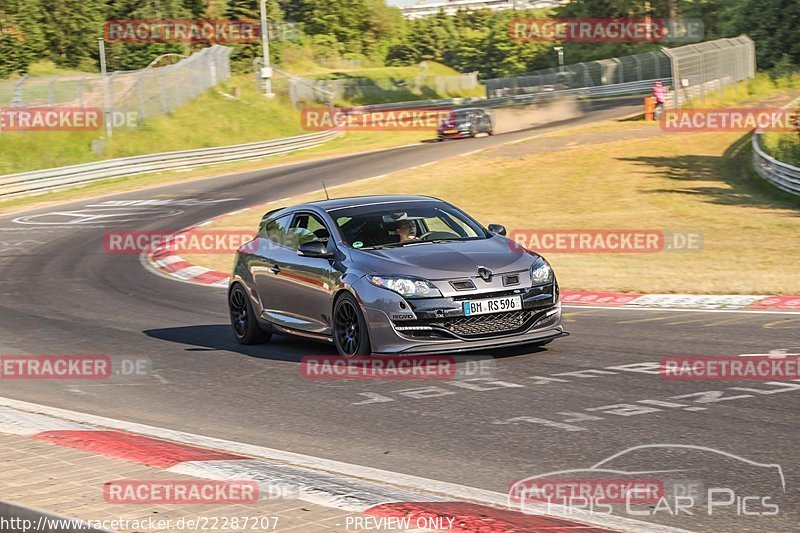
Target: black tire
pixel 243 319
pixel 350 334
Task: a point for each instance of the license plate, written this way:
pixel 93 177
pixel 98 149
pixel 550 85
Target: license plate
pixel 451 131
pixel 493 305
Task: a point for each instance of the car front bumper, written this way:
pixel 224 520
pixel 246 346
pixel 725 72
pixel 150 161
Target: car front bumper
pixel 456 135
pixel 438 325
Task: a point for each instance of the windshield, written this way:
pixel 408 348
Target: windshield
pixel 458 116
pixel 403 224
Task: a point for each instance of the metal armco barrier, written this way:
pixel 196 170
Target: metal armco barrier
pixel 782 175
pixel 619 89
pixel 56 178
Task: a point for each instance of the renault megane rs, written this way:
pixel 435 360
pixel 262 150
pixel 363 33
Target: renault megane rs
pixel 391 275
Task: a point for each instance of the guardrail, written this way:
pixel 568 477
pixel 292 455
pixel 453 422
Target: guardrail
pixel 782 175
pixel 599 91
pixel 56 178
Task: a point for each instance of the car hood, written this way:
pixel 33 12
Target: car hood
pixel 446 260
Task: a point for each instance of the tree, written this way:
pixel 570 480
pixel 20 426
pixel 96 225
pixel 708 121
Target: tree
pixel 71 29
pixel 363 27
pixel 21 38
pixel 132 56
pixel 775 28
pixel 244 54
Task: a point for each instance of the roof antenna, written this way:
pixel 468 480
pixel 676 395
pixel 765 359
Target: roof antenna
pixel 326 190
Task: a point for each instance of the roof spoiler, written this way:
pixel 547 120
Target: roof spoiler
pixel 270 213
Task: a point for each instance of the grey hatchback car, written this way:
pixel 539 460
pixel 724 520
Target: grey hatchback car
pixel 391 275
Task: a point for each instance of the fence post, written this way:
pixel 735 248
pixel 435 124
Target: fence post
pixel 81 80
pixel 111 98
pixel 163 93
pixel 140 90
pixel 720 73
pixel 51 91
pixel 293 93
pixel 676 79
pixel 638 67
pixel 618 62
pixel 212 67
pixel 656 63
pixel 18 100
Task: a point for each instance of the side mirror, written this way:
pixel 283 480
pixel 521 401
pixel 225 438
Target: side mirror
pixel 314 249
pixel 498 228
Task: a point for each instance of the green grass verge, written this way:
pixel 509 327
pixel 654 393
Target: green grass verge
pixel 397 84
pixel 763 88
pixel 351 143
pixel 783 146
pixel 213 119
pixel 377 73
pixel 659 181
pixel 759 89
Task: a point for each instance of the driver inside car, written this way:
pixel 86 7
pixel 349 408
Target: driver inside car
pixel 407 230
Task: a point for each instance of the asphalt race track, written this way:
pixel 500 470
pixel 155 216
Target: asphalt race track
pixel 542 410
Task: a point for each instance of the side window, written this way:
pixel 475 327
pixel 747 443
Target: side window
pixel 277 230
pixel 307 227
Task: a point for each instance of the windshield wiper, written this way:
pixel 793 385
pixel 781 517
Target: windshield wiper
pixel 409 243
pixel 382 246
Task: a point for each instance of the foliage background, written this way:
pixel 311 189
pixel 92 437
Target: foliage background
pixel 309 33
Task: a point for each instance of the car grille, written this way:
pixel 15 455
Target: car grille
pixel 483 325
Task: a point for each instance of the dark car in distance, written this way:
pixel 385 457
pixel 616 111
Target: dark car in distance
pixel 467 122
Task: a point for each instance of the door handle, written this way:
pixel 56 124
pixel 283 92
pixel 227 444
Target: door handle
pixel 276 269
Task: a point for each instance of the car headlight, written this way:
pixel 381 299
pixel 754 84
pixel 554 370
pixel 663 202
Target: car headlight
pixel 408 287
pixel 541 273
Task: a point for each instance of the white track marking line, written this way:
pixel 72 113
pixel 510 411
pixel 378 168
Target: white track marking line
pixel 16 422
pixel 291 482
pixel 169 260
pixel 365 473
pixel 680 310
pixel 190 272
pixel 153 269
